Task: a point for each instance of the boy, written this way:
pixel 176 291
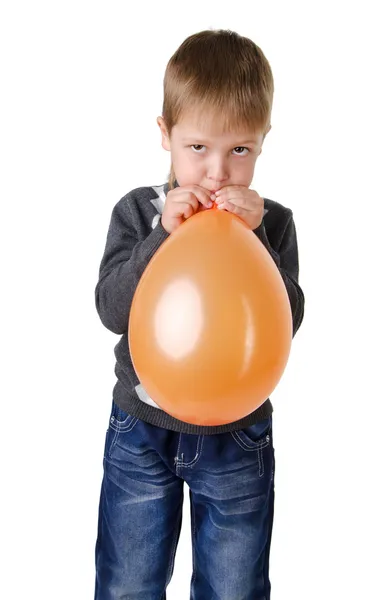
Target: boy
pixel 218 93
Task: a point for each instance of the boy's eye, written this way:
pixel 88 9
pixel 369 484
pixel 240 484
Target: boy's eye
pixel 197 147
pixel 240 148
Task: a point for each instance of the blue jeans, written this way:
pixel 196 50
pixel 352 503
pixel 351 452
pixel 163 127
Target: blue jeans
pixel 231 486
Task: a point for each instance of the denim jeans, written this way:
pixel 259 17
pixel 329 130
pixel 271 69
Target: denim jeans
pixel 230 477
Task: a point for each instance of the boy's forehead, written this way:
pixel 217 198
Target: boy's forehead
pixel 211 129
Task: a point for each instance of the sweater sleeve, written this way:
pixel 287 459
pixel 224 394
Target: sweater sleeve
pixel 287 261
pixel 123 263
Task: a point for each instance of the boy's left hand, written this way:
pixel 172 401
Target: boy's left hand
pixel 243 202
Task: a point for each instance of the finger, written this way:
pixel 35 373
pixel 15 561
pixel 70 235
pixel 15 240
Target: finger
pixel 231 188
pixel 194 195
pixel 187 198
pixel 240 200
pixel 231 192
pixel 203 197
pixel 233 208
pixel 188 210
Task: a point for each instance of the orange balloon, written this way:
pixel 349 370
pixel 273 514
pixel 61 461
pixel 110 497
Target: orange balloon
pixel 210 326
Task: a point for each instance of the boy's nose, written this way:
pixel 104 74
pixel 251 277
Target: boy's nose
pixel 217 174
pixel 216 184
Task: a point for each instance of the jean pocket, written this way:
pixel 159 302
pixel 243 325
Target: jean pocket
pixel 255 436
pixel 120 420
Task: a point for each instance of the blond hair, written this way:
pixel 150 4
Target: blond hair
pixel 218 72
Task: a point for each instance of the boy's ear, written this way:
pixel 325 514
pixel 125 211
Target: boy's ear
pixel 165 136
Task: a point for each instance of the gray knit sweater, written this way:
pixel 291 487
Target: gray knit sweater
pixel 135 233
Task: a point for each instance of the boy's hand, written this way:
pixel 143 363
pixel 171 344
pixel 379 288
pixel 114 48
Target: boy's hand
pixel 243 202
pixel 183 202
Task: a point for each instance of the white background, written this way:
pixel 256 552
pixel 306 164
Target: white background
pixel 81 91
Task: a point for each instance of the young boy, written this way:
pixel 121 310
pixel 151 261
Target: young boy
pixel 218 93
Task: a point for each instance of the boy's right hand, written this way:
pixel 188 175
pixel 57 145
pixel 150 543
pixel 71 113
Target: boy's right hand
pixel 183 202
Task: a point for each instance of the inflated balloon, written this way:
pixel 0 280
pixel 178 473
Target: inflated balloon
pixel 210 327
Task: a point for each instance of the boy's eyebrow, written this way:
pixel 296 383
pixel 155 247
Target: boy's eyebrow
pixel 191 138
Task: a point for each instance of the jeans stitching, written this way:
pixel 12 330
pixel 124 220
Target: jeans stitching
pixel 260 461
pixel 119 430
pixel 116 425
pixel 176 461
pixel 200 444
pixel 245 446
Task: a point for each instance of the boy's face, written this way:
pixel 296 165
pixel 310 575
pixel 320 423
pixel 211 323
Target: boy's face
pixel 209 158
